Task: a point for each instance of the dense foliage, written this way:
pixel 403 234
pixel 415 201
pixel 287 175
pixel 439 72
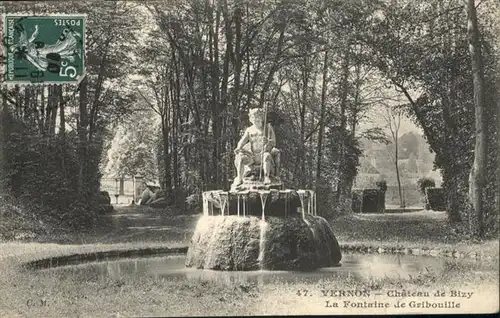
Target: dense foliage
pixel 39 172
pixel 52 136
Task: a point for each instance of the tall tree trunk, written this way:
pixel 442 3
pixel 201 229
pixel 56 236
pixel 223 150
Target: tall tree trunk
pixel 44 120
pixel 82 135
pixel 62 127
pixel 216 126
pixel 237 74
pixel 477 173
pixel 53 110
pixel 167 185
pixel 321 121
pixel 394 123
pixel 224 98
pixel 62 118
pixel 17 93
pixel 302 146
pixel 302 111
pixel 344 92
pixel 165 129
pixel 27 99
pixel 354 110
pixel 396 157
pixel 175 108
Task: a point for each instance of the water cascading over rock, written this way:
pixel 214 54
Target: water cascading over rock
pixel 258 224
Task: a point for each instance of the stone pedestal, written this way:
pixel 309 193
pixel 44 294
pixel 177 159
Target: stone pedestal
pixel 245 203
pixel 248 243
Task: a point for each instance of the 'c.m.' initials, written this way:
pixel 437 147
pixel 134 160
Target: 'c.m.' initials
pixel 36 303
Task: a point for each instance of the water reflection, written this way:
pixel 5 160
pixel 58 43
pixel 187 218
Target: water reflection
pixel 359 266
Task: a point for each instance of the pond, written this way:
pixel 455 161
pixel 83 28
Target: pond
pixel 356 265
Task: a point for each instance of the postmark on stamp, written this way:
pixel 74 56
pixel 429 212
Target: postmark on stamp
pixel 48 49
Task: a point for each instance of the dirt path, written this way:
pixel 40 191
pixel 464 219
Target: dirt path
pixel 128 224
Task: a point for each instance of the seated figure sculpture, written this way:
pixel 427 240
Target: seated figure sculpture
pixel 257 151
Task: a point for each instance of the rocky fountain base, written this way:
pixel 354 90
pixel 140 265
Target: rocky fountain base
pixel 262 229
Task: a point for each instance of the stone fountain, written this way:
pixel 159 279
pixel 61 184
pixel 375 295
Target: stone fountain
pixel 258 224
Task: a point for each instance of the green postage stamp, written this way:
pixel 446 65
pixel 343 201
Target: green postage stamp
pixel 47 49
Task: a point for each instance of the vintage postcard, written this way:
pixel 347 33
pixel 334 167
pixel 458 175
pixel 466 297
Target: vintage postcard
pixel 245 157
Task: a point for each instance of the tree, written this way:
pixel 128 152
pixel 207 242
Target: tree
pixel 392 117
pixel 133 149
pixel 477 173
pixel 321 120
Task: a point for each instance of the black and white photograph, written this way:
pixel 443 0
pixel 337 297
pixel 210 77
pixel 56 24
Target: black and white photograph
pixel 165 158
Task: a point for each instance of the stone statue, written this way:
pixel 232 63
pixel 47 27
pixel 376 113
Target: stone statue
pixel 256 151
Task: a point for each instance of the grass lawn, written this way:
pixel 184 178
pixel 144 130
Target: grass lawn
pixel 423 229
pixel 45 294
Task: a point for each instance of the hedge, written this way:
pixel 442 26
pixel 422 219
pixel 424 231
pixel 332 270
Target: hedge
pixel 368 201
pixel 435 199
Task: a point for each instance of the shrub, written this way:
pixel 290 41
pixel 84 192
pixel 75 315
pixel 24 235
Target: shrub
pixel 435 199
pixel 104 198
pixel 424 183
pixel 373 201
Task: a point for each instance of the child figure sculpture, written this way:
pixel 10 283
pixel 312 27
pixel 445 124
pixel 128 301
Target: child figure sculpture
pixel 257 149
